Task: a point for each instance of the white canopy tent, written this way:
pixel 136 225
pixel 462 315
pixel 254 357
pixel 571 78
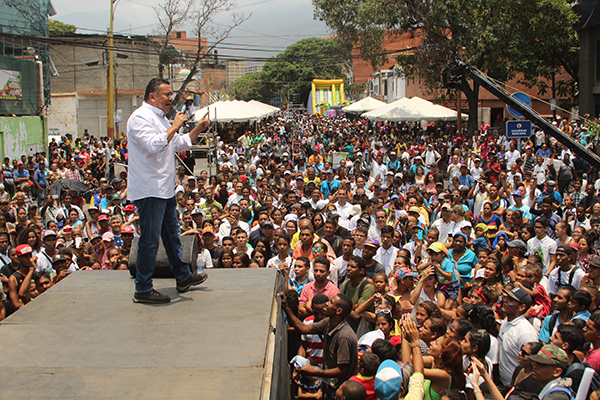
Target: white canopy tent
pixel 267 107
pixel 228 111
pixel 413 109
pixel 364 105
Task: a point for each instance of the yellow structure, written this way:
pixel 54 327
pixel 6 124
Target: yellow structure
pixel 326 93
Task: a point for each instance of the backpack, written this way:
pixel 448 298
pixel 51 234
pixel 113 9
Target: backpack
pixel 594 385
pixel 563 389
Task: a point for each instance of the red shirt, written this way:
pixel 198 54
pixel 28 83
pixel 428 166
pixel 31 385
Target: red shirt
pixel 593 358
pixel 368 382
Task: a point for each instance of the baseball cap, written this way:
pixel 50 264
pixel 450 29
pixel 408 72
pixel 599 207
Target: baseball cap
pixel 126 229
pixel 517 244
pixel 404 272
pixel 551 355
pixel 595 262
pixel 518 193
pixel 48 233
pixel 566 249
pixel 372 242
pixel 102 217
pixel 437 247
pixel 520 295
pixel 333 214
pixel 129 207
pixel 95 236
pixel 23 249
pixel 446 207
pixel 388 380
pixel 59 257
pixel 208 230
pixel 460 210
pixel 108 237
pixel 550 183
pixel 414 209
pixel 364 221
pixel 267 223
pixel 482 226
pixel 287 173
pixel 116 196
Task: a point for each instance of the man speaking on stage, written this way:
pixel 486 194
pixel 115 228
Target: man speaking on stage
pixel 152 144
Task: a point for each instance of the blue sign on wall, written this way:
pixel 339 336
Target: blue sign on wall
pixel 518 129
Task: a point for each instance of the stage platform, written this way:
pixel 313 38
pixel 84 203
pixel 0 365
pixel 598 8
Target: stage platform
pixel 85 339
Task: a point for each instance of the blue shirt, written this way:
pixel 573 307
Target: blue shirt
pixel 448 266
pixel 327 187
pixel 40 178
pixel 465 265
pixel 19 174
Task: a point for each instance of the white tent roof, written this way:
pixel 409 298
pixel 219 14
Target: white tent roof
pixel 228 111
pixel 366 104
pixel 413 109
pixel 267 107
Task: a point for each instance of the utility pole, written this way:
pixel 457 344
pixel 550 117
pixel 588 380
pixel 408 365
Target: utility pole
pixel 110 85
pixel 458 112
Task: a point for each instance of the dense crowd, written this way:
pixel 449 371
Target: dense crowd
pixel 420 262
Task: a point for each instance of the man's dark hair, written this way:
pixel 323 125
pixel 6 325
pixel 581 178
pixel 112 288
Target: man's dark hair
pixel 595 318
pixel 384 350
pixel 285 237
pixel 387 229
pixel 571 335
pixel 352 390
pixel 571 290
pixel 330 221
pixel 323 261
pixel 304 259
pixel 360 261
pixel 346 304
pixel 582 298
pixel 246 215
pixel 319 299
pixel 542 221
pixel 5 235
pixel 154 85
pixel 228 238
pixel 369 362
pixel 312 231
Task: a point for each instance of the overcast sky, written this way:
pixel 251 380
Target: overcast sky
pixel 274 24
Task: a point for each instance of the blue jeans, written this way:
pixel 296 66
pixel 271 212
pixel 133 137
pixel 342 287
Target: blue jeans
pixel 158 219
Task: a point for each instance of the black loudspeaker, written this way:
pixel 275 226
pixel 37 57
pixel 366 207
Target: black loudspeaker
pixel 162 269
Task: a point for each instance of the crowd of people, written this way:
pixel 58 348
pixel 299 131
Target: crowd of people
pixel 420 262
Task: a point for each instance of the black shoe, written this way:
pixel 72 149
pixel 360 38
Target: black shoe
pixel 193 280
pixel 151 297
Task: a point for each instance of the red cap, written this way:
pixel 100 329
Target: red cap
pixel 102 217
pixel 129 207
pixel 127 229
pixel 24 249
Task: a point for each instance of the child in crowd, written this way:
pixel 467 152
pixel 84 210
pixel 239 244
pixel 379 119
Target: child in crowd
pixel 367 368
pixel 447 277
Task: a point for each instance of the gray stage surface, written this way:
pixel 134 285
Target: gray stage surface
pixel 86 339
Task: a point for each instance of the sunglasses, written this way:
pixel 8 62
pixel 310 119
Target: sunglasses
pixel 524 354
pixel 317 248
pixel 383 311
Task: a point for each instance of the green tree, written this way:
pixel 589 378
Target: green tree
pixel 57 28
pixel 313 58
pixel 501 38
pixel 251 87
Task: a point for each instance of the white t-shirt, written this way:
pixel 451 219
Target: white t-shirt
pixel 543 248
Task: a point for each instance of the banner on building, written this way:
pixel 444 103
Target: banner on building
pixel 10 85
pixel 19 87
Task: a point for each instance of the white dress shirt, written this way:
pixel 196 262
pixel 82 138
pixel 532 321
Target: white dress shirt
pixel 151 156
pixel 386 258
